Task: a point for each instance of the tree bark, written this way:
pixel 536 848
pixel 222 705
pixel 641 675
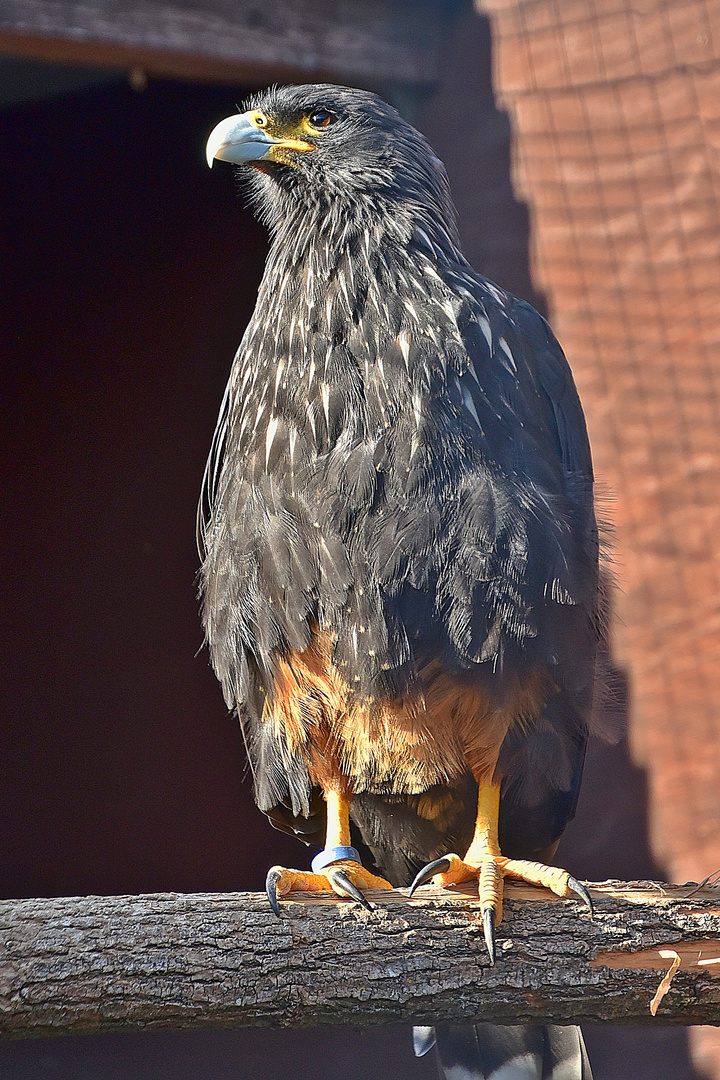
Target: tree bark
pixel 223 960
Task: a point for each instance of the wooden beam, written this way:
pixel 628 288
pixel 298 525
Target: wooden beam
pixel 366 42
pixel 181 961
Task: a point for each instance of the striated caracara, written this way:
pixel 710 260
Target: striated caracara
pixel 400 576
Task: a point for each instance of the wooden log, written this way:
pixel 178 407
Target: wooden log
pixel 369 42
pixel 223 960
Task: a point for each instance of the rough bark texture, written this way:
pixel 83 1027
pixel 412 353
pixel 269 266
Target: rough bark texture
pixel 223 960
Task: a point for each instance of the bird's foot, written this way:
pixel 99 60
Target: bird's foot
pixel 337 870
pixel 489 873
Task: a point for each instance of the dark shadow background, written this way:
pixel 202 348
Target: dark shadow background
pixel 128 273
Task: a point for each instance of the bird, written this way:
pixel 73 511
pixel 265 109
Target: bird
pixel 399 584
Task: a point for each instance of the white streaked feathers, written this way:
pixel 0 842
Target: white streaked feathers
pixel 286 357
pixel 310 413
pixel 270 437
pixel 404 343
pixel 325 394
pixel 485 327
pixel 506 349
pixel 278 377
pixel 418 409
pixel 470 405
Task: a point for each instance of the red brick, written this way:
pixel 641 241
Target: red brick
pixel 627 248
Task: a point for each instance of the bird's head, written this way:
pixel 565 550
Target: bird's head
pixel 333 150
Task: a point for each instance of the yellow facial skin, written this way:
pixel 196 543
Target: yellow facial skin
pixel 255 137
pixel 287 139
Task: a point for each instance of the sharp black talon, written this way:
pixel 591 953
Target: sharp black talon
pixel 489 931
pixel 437 866
pixel 582 892
pixel 271 881
pixel 340 879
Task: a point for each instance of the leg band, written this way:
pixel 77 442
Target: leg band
pixel 331 855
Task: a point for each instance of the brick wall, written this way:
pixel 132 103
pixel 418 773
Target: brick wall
pixel 616 115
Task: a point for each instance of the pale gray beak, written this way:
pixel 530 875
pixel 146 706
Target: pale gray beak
pixel 238 139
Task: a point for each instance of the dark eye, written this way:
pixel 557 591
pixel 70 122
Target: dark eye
pixel 321 118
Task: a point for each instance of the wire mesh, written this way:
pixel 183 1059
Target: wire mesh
pixel 616 115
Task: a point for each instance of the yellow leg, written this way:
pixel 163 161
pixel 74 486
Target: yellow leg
pixel 337 833
pixel 485 837
pixel 483 859
pixel 484 850
pixel 484 862
pixel 345 875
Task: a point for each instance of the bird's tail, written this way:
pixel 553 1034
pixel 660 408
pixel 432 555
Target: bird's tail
pixel 491 1052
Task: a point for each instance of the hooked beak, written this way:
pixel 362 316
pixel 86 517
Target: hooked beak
pixel 240 140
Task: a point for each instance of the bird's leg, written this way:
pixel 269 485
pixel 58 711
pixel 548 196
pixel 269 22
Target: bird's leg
pixel 484 863
pixel 336 868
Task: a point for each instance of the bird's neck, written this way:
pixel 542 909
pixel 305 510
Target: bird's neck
pixel 346 324
pixel 358 257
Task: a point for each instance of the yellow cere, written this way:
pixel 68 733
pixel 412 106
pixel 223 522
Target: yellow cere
pixel 285 140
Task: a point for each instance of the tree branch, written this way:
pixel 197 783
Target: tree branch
pixel 223 960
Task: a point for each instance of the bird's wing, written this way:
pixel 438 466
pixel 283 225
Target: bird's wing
pixel 531 426
pixel 565 417
pixel 543 767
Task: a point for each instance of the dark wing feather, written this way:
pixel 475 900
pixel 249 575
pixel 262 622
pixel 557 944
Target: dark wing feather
pixel 543 767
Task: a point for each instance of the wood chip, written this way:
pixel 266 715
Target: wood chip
pixel 664 986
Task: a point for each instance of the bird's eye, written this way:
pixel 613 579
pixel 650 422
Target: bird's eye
pixel 321 118
pixel 260 120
